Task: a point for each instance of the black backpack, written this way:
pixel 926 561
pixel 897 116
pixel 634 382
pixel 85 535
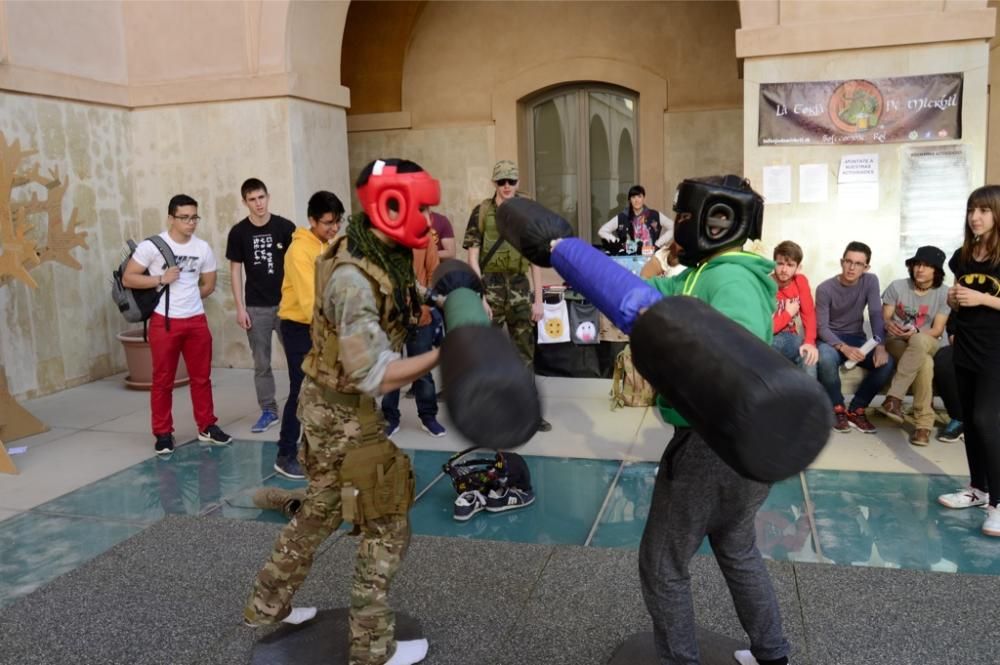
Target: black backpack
pixel 504 469
pixel 137 305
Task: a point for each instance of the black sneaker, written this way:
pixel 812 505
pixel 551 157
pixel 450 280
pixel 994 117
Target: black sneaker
pixel 215 436
pixel 409 394
pixel 164 444
pixel 497 501
pixel 544 426
pixel 289 467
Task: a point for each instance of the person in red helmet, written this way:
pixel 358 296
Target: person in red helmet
pixel 366 300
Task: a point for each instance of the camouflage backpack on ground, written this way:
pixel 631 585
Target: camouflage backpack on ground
pixel 628 387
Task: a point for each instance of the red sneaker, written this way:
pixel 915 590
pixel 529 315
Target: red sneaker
pixel 859 421
pixel 840 423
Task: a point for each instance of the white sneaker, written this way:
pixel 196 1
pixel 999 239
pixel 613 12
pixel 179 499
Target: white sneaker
pixel 991 527
pixel 964 498
pixel 744 657
pixel 409 652
pixel 299 615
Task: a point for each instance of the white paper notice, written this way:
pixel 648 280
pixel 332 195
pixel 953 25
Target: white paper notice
pixel 858 196
pixel 812 183
pixel 858 168
pixel 778 184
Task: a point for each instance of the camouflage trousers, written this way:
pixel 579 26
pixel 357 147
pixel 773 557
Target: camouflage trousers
pixel 330 430
pixel 509 296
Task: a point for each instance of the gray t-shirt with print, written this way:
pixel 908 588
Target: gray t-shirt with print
pixel 910 308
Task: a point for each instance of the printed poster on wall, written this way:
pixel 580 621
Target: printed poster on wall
pixel 861 111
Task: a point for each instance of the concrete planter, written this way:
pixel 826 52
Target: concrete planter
pixel 140 362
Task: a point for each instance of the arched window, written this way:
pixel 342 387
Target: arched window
pixel 581 141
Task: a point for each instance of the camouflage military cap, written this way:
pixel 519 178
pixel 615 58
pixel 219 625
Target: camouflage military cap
pixel 505 169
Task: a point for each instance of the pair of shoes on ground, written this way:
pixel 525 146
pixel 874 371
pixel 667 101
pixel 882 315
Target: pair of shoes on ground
pixel 289 467
pixel 468 504
pixel 970 497
pixel 953 432
pixel 892 408
pixel 408 652
pixel 267 420
pixel 429 425
pixel 845 419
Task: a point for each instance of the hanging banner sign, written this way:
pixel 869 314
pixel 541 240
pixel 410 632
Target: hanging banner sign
pixel 906 109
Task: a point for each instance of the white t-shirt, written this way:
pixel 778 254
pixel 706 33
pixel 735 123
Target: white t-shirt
pixel 193 258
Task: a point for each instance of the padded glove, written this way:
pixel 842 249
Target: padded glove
pixel 531 227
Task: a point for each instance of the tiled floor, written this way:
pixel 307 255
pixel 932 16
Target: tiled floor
pixel 92 481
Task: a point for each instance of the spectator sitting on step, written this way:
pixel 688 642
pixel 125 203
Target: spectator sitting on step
pixel 840 307
pixel 794 299
pixel 915 310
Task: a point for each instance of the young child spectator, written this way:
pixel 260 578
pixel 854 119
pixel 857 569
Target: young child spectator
pixel 186 331
pixel 840 308
pixel 794 299
pixel 915 312
pixel 975 299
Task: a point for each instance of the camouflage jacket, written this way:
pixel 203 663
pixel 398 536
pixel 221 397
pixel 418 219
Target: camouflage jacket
pixel 356 329
pixel 482 232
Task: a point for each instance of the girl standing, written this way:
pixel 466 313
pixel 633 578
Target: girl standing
pixel 975 300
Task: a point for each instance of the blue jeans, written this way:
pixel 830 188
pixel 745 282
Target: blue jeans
pixel 787 344
pixel 830 360
pixel 420 341
pixel 297 343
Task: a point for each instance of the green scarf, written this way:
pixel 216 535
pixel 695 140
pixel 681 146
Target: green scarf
pixel 395 260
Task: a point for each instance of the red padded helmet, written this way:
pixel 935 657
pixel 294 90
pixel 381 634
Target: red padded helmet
pixel 385 182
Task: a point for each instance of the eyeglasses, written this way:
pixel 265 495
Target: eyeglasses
pixel 187 219
pixel 853 264
pixel 503 182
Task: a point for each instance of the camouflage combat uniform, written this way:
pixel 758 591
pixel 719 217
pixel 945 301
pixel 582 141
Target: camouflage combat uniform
pixel 351 348
pixel 505 279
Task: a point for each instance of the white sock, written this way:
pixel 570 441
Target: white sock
pixel 745 658
pixel 299 615
pixel 409 652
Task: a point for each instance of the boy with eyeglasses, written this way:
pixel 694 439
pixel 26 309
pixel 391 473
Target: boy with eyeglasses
pixel 840 307
pixel 179 325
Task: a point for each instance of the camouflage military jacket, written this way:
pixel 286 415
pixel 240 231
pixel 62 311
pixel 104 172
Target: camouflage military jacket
pixel 356 329
pixel 482 232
